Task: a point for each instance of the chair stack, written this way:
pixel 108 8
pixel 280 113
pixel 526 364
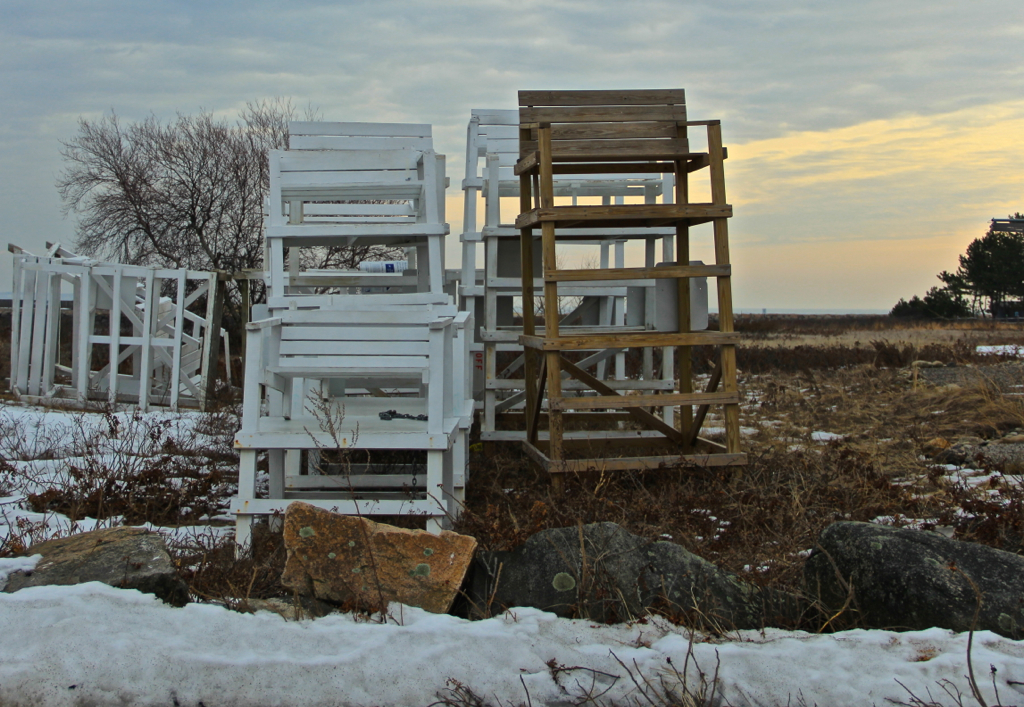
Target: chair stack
pixel 640 133
pixel 151 348
pixel 596 306
pixel 360 401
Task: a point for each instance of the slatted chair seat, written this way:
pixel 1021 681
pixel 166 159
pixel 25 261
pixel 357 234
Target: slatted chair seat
pixel 635 132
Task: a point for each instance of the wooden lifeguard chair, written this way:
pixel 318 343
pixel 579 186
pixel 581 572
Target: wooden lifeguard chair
pixel 625 132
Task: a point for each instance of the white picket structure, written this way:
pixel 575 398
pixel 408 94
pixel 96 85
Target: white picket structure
pixel 173 360
pixel 492 149
pixel 332 371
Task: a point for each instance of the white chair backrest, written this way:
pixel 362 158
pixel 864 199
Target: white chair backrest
pixel 349 162
pixel 372 343
pixel 318 135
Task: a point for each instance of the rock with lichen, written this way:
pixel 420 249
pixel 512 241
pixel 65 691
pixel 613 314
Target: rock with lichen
pixel 360 563
pixel 602 572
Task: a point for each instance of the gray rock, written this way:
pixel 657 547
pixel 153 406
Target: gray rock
pixel 130 558
pixel 289 608
pixel 604 573
pixel 913 579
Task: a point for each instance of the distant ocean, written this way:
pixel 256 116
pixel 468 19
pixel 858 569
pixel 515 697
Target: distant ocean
pixel 784 310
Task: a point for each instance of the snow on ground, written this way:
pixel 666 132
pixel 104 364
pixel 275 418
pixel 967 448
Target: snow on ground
pixel 40 445
pixel 1002 349
pixel 93 644
pixel 819 436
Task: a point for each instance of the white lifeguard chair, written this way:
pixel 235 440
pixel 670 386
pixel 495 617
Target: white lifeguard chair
pixel 358 365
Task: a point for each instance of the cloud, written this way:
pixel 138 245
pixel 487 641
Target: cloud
pixel 836 112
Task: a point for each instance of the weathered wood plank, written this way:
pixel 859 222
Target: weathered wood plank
pixel 660 148
pixel 645 418
pixel 626 97
pixel 629 340
pixel 615 131
pixel 582 216
pixel 674 271
pixel 612 402
pixel 666 463
pixel 602 114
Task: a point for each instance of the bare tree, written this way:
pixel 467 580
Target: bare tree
pixel 186 194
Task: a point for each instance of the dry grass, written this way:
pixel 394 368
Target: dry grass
pixel 759 523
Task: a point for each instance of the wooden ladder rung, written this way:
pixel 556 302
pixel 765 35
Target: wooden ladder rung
pixel 608 402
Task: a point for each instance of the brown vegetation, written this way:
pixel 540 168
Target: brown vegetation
pixel 759 522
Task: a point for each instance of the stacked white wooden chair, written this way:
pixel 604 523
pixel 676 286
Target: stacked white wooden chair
pixel 337 379
pixel 169 355
pixel 355 184
pixel 492 149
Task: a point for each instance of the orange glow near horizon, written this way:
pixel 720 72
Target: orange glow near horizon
pixel 860 216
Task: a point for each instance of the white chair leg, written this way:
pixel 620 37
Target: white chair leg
pixel 448 487
pixel 435 488
pixel 278 464
pixel 246 491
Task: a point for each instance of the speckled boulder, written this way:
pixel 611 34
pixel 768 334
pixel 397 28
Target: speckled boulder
pixel 349 560
pixel 602 572
pixel 914 579
pixel 130 558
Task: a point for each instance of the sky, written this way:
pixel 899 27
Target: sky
pixel 869 142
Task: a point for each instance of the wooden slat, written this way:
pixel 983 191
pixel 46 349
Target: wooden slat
pixel 595 150
pixel 330 142
pixel 668 463
pixel 382 332
pixel 603 114
pixel 615 131
pixel 674 271
pixel 588 215
pixel 296 182
pixel 348 160
pixel 619 168
pixel 629 340
pixel 628 97
pixel 322 347
pixel 306 127
pixel 614 402
pixel 329 365
pixel 642 416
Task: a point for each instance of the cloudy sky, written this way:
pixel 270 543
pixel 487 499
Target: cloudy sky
pixel 869 141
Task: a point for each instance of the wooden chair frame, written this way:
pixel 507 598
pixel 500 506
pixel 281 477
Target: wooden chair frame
pixel 492 151
pixel 637 132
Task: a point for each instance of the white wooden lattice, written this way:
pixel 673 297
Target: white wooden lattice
pixel 166 359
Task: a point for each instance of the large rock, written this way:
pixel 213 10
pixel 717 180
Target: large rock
pixel 356 561
pixel 605 573
pixel 911 579
pixel 130 558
